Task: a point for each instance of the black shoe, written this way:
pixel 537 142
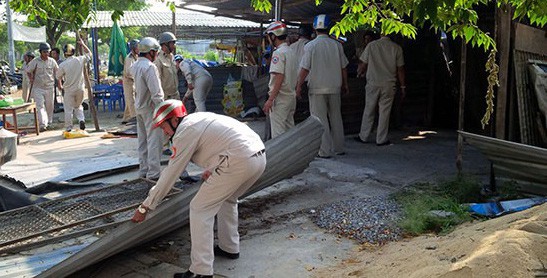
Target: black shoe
pixel 82 125
pixel 386 143
pixel 124 122
pixel 189 274
pixel 341 153
pixel 323 156
pixel 221 253
pixel 358 139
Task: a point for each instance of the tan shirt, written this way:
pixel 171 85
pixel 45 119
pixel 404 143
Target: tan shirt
pixel 43 72
pixel 284 61
pixel 72 70
pixel 192 71
pixel 148 91
pixel 215 139
pixel 168 74
pixel 130 59
pixel 325 59
pixel 383 58
pixel 298 48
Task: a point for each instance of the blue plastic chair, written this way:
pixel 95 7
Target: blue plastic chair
pixel 100 93
pixel 116 97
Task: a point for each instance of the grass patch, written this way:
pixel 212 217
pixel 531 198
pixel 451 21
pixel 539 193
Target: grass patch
pixel 419 200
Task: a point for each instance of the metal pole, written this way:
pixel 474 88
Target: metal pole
pixel 11 51
pixel 278 9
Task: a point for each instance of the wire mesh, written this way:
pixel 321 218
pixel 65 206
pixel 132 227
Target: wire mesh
pixel 70 214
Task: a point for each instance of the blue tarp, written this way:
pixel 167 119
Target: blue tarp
pixel 493 209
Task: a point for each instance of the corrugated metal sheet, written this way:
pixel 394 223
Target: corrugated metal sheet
pixel 292 10
pixel 65 258
pixel 516 161
pixel 102 19
pixel 526 99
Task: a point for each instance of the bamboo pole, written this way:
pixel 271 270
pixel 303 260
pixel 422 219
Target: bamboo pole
pixel 463 71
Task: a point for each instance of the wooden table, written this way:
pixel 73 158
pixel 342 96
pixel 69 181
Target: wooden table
pixel 14 110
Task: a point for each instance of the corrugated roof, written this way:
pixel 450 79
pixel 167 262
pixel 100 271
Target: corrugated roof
pixel 292 10
pixel 102 19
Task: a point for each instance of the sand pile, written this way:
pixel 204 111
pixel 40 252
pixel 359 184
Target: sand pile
pixel 514 245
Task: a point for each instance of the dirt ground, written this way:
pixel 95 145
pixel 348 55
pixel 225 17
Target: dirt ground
pixel 278 238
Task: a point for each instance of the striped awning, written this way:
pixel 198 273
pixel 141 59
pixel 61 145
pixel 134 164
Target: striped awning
pixel 102 19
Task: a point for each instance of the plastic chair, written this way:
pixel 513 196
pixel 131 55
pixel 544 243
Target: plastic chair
pixel 116 96
pixel 100 93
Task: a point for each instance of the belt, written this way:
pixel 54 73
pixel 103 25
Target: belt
pixel 259 153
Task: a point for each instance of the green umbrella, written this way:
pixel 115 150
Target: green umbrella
pixel 118 51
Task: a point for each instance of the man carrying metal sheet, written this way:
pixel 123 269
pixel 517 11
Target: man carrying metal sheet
pixel 233 156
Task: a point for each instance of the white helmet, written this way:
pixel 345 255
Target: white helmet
pixel 168 109
pixel 166 37
pixel 277 28
pixel 147 44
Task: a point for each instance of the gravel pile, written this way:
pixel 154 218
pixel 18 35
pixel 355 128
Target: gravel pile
pixel 367 220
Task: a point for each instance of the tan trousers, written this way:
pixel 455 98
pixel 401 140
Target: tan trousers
pixel 44 105
pixel 25 88
pixel 202 87
pixel 129 97
pixel 149 146
pixel 282 114
pixel 381 98
pixel 218 196
pixel 72 103
pixel 327 107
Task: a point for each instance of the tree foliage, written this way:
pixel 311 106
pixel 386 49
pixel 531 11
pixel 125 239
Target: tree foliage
pixel 456 17
pixel 67 15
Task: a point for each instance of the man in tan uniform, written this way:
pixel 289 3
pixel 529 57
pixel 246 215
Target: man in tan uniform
pixel 383 65
pixel 72 71
pixel 128 83
pixel 167 67
pixel 41 72
pixel 148 94
pixel 233 156
pixel 26 82
pixel 324 63
pixel 281 102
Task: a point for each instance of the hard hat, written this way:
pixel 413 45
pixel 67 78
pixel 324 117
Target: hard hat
pixel 69 49
pixel 132 44
pixel 30 54
pixel 44 46
pixel 305 30
pixel 321 22
pixel 147 44
pixel 168 109
pixel 166 37
pixel 277 28
pixel 178 57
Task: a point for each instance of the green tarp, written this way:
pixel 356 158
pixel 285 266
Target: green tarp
pixel 118 51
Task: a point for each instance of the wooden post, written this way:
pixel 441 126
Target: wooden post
pixel 463 62
pixel 503 41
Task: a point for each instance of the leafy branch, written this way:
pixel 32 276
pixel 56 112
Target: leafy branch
pixel 456 17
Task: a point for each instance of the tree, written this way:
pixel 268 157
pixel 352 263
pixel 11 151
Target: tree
pixel 456 17
pixel 67 15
